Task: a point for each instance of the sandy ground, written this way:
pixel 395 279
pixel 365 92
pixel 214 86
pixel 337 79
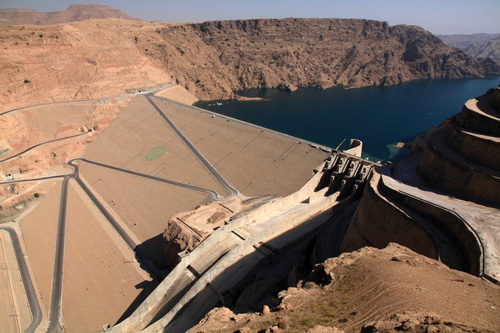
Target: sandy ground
pixel 8 318
pixel 101 278
pixel 139 128
pixel 27 127
pixel 254 162
pixel 39 231
pixel 179 94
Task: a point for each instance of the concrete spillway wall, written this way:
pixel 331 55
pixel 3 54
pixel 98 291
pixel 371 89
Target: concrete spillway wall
pixel 378 222
pixel 452 223
pixel 439 168
pixel 301 214
pixel 478 148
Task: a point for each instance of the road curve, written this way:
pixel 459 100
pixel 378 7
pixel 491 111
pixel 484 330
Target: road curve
pixel 188 143
pixel 142 257
pixel 40 144
pixel 36 313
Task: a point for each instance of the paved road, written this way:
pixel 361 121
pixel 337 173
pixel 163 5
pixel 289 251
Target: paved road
pixel 41 144
pixel 56 293
pixel 36 313
pixel 213 195
pixel 203 160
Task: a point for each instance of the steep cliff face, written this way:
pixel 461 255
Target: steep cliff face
pixel 213 59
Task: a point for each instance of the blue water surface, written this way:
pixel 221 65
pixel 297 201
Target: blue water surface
pixel 379 116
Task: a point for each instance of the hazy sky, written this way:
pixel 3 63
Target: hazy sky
pixel 437 16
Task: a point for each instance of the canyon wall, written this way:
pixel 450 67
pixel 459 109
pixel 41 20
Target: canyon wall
pixel 213 59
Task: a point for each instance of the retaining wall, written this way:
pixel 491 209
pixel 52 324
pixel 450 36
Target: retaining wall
pixel 476 148
pixel 454 225
pixel 378 222
pixel 478 121
pixel 439 169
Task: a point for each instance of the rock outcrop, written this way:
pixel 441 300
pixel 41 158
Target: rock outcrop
pixel 373 290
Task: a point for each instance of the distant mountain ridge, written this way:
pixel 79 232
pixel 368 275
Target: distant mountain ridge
pixel 476 45
pixel 464 41
pixel 213 60
pixel 17 16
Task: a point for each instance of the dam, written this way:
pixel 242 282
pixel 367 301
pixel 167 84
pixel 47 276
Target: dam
pixel 210 273
pixel 165 165
pixel 409 202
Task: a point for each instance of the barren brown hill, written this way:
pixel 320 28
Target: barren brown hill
pixel 15 16
pixel 96 58
pixel 213 59
pixel 372 290
pixel 487 49
pixel 73 61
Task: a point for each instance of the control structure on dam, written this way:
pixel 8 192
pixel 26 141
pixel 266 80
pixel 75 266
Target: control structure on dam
pixel 209 274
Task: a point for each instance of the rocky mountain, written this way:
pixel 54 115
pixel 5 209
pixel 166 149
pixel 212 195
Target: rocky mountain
pixel 16 16
pixel 487 49
pixel 213 59
pixel 478 46
pixel 464 41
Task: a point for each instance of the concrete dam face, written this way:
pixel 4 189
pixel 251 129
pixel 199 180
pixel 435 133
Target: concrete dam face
pixel 209 274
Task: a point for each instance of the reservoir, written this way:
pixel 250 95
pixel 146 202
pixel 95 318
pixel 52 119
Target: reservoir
pixel 379 116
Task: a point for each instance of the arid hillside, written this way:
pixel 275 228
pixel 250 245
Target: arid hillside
pixel 475 45
pixel 487 49
pixel 393 289
pixel 213 59
pixel 73 61
pixel 105 57
pixel 15 16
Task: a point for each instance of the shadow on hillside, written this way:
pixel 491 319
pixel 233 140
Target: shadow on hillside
pixel 151 259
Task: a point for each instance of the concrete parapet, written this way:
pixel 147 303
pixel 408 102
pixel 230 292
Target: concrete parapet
pixel 378 222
